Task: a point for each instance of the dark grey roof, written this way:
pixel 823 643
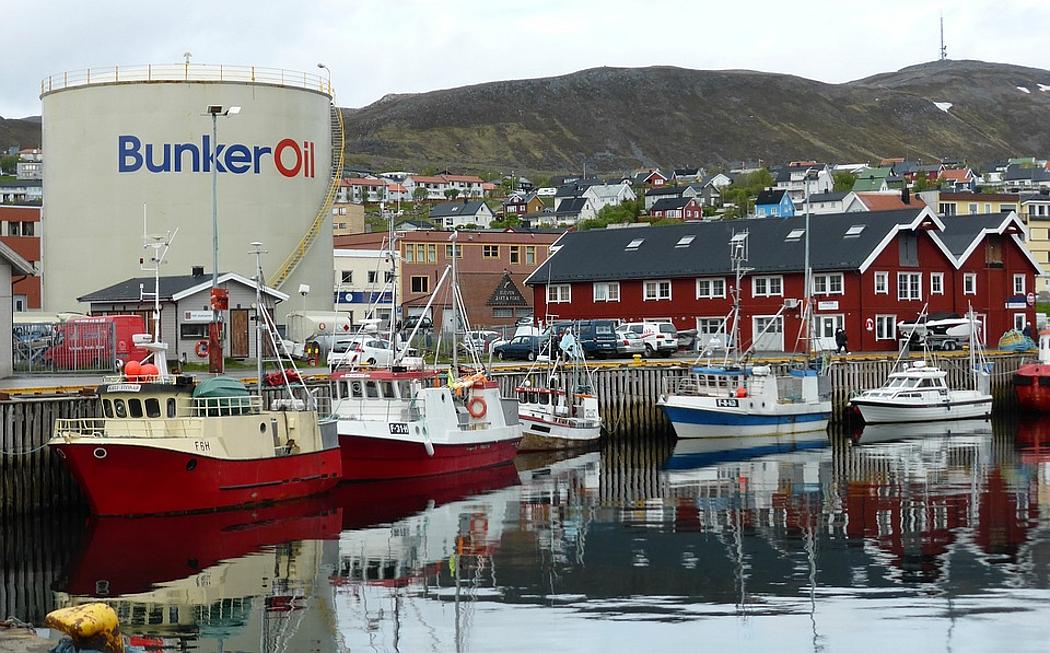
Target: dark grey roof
pixel 128 291
pixel 576 188
pixel 770 196
pixel 20 183
pixel 1016 172
pixel 961 230
pixel 670 203
pixel 452 209
pixel 931 167
pixel 782 175
pixel 571 206
pixel 665 190
pixel 600 254
pixel 905 167
pixel 686 172
pixel 827 197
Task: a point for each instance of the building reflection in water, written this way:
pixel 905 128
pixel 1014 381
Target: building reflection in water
pixel 638 535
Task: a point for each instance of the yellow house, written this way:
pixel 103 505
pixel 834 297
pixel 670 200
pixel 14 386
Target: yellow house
pixel 1035 211
pixel 949 204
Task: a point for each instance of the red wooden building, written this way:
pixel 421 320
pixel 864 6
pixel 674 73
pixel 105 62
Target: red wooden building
pixel 20 230
pixel 870 272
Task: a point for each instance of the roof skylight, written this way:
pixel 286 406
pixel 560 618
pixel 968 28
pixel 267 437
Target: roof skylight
pixel 795 234
pixel 635 244
pixel 684 241
pixel 854 231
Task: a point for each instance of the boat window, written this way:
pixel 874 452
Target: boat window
pixel 927 383
pixel 405 389
pixel 356 390
pixel 152 408
pixel 171 407
pixel 896 383
pixel 388 389
pixel 119 409
pixel 912 383
pixel 372 389
pixel 107 408
pixel 135 407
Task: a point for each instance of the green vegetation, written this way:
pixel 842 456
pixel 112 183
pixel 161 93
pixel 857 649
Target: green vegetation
pixel 844 181
pixel 8 164
pixel 509 221
pixel 450 194
pixel 626 212
pixel 744 190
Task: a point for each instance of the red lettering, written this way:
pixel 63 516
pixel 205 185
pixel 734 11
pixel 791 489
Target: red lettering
pixel 278 158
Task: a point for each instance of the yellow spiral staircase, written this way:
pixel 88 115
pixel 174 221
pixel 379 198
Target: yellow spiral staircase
pixel 323 212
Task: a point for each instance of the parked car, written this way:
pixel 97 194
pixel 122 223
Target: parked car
pixel 360 350
pixel 660 338
pixel 423 321
pixel 519 347
pixel 479 341
pixel 597 337
pixel 629 343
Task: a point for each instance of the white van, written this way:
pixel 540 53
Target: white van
pixel 659 337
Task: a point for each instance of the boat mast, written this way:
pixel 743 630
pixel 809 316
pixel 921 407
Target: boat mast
pixel 806 274
pixel 738 254
pixel 393 253
pixel 455 307
pixel 258 251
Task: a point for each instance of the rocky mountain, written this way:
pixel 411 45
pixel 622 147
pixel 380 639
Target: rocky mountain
pixel 616 118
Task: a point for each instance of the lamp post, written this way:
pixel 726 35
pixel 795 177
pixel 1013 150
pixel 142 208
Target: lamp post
pixel 328 72
pixel 215 362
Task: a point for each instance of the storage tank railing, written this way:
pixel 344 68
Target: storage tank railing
pixel 185 72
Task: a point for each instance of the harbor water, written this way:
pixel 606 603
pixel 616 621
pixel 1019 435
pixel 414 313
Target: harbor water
pixel 934 537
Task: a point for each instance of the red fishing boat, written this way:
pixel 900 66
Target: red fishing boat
pixel 1032 380
pixel 167 444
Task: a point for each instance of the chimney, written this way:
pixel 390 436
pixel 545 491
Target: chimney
pixel 906 195
pixel 465 199
pixel 197 270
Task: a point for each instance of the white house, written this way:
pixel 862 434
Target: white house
pixel 795 179
pixel 453 215
pixel 363 283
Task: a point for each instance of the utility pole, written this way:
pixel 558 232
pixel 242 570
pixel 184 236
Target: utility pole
pixel 944 49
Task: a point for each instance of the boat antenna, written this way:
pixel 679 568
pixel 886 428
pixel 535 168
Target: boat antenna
pixel 455 308
pixel 738 255
pixel 152 263
pixel 258 251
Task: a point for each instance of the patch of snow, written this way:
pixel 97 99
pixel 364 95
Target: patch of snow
pixel 1023 89
pixel 943 106
pixel 1044 87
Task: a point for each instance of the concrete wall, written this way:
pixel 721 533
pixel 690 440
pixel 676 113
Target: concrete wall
pixel 92 207
pixel 6 326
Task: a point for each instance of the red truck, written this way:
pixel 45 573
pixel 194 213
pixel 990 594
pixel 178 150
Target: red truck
pixel 96 343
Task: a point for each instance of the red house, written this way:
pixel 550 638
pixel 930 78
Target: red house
pixel 683 208
pixel 870 271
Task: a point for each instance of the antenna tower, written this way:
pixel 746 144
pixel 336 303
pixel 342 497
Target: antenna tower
pixel 944 48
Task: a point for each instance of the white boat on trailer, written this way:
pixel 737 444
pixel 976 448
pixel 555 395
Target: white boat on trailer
pixel 733 399
pixel 917 391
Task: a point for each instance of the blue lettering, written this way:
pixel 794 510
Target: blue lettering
pixel 238 159
pixel 163 167
pixel 219 147
pixel 128 150
pixel 206 147
pixel 180 148
pixel 259 151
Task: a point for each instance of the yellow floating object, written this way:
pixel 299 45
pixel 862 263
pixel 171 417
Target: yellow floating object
pixel 93 625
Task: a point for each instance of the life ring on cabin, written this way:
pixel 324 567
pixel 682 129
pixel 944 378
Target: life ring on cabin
pixel 201 349
pixel 321 327
pixel 477 407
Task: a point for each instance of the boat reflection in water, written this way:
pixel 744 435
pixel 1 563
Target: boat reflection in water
pixel 231 580
pixel 691 454
pixel 872 433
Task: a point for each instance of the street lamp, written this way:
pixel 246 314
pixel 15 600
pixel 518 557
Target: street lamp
pixel 328 71
pixel 215 362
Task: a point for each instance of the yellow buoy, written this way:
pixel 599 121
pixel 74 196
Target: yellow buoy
pixel 93 625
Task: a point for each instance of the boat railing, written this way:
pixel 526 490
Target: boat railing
pixel 694 387
pixel 225 406
pixel 110 427
pixel 138 378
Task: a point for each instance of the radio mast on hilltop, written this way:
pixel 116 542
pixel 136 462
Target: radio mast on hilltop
pixel 944 48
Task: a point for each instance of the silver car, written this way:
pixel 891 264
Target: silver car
pixel 629 343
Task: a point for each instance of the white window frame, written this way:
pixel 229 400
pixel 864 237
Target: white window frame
pixel 879 321
pixel 909 296
pixel 704 332
pixel 656 284
pixel 559 293
pixel 606 291
pixel 1020 289
pixel 1020 320
pixel 822 319
pixel 711 282
pixel 969 283
pixel 884 279
pixel 826 280
pixel 766 281
pixel 938 287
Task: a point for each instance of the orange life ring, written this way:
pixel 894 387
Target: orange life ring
pixel 321 327
pixel 201 349
pixel 477 407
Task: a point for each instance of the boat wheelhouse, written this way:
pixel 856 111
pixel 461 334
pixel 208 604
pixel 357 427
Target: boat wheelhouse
pixel 553 418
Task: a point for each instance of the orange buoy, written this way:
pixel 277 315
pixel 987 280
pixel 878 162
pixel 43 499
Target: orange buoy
pixel 741 392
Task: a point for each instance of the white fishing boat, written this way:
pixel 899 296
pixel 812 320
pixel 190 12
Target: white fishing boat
pixel 405 421
pixel 918 391
pixel 734 399
pixel 556 417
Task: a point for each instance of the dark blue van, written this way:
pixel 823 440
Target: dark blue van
pixel 597 337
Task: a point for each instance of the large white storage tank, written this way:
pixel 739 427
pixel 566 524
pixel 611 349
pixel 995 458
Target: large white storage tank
pixel 120 139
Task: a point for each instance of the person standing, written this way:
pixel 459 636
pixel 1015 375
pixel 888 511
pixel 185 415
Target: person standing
pixel 1028 331
pixel 841 341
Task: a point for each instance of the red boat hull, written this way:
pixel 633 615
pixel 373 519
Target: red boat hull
pixel 372 459
pixel 1032 386
pixel 137 480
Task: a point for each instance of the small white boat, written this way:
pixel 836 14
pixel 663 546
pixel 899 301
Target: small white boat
pixel 918 392
pixel 553 417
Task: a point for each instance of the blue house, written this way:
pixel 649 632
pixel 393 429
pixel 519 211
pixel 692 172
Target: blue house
pixel 774 203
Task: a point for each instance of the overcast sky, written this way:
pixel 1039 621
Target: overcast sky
pixel 375 47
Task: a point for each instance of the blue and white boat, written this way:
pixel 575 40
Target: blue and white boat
pixel 732 399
